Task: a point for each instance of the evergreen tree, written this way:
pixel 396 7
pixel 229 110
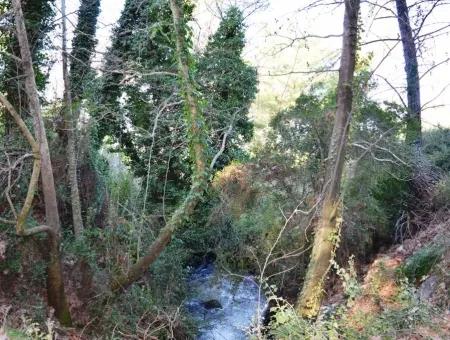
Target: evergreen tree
pixel 229 86
pixel 141 96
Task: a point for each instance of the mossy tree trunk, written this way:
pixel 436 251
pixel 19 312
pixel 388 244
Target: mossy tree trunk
pixel 327 232
pixel 195 123
pixel 413 117
pixel 70 126
pixel 55 284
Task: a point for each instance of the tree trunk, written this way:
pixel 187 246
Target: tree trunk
pixel 83 46
pixel 197 139
pixel 413 118
pixel 48 185
pixel 70 124
pixel 327 232
pixel 55 284
pixel 55 287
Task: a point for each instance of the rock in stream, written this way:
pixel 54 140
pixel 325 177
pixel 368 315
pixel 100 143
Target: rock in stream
pixel 224 306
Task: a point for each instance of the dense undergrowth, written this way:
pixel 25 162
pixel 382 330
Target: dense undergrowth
pixel 258 218
pixel 248 223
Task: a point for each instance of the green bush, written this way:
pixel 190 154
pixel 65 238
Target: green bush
pixel 421 262
pixel 391 194
pixel 399 321
pixel 390 323
pixel 441 197
pixel 436 145
pixel 141 312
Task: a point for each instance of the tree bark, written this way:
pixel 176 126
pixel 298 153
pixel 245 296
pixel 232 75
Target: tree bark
pixel 55 285
pixel 413 118
pixel 327 232
pixel 70 124
pixel 48 185
pixel 197 138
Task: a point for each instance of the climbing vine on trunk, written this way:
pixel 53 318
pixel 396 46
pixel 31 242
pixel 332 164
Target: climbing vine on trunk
pixel 196 126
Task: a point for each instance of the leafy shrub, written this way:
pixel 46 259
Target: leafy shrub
pixel 288 325
pixel 442 193
pixel 349 278
pixel 437 147
pixel 392 195
pixel 394 322
pixel 11 261
pixel 401 320
pixel 139 311
pixel 421 262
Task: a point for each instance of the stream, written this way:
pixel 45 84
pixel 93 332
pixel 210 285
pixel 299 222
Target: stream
pixel 224 306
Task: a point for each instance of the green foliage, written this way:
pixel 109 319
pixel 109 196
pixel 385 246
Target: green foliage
pixel 255 230
pixel 130 91
pixel 39 22
pixel 349 278
pixel 141 98
pixel 83 45
pixel 401 320
pixel 288 325
pixel 144 312
pixel 143 101
pixel 12 263
pixel 442 193
pixel 436 145
pixel 300 135
pixel 375 186
pixel 15 334
pixel 228 85
pixel 239 223
pixel 421 262
pixel 124 190
pixel 391 194
pixel 214 229
pixel 395 322
pixel 39 273
pixel 82 247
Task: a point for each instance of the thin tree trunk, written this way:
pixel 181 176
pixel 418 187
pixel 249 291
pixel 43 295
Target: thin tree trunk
pixel 327 232
pixel 48 185
pixel 197 139
pixel 55 285
pixel 413 119
pixel 70 133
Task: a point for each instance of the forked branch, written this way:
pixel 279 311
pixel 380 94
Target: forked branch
pixel 24 212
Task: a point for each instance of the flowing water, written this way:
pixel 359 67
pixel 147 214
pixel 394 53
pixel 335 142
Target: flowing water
pixel 224 306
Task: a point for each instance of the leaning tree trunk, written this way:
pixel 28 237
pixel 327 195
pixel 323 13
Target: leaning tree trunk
pixel 327 232
pixel 55 285
pixel 70 125
pixel 413 118
pixel 197 139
